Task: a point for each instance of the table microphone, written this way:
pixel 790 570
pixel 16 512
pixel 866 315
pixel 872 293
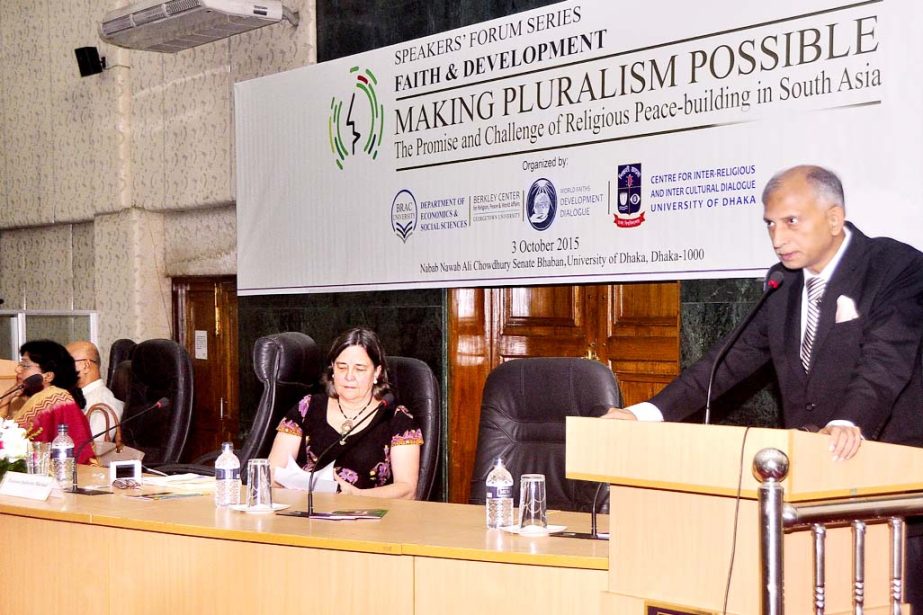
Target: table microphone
pixel 162 404
pixel 593 534
pixel 774 282
pixel 30 386
pixel 386 402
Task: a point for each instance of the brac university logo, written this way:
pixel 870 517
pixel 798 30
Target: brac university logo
pixel 359 127
pixel 404 214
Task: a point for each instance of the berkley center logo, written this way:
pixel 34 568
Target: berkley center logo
pixel 360 126
pixel 629 196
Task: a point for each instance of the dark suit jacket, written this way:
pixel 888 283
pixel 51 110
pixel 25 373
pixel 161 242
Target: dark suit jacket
pixel 867 370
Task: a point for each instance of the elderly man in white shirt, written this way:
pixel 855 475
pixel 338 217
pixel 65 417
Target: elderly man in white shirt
pixel 86 358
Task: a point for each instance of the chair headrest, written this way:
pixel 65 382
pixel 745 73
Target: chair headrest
pixel 287 357
pixel 540 388
pixel 158 363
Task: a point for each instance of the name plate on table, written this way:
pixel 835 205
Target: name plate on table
pixel 31 486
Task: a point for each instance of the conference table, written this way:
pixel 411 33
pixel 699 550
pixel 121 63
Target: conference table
pixel 118 554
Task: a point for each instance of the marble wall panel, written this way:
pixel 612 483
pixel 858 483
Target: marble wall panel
pixel 5 94
pixel 112 115
pixel 46 267
pixel 70 107
pixel 153 309
pixel 132 292
pixel 710 309
pixel 147 129
pixel 84 266
pixel 197 128
pixel 12 258
pixel 26 116
pixel 201 242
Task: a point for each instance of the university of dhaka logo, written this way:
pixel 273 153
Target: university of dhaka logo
pixel 358 127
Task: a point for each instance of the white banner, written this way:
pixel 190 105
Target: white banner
pixel 590 141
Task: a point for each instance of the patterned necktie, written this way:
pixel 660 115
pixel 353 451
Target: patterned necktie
pixel 815 292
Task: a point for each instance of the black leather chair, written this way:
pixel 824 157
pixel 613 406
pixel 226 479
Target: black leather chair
pixel 158 368
pixel 416 387
pixel 523 409
pixel 289 365
pixel 120 350
pixel 121 381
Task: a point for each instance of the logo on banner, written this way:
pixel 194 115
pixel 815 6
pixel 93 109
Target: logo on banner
pixel 629 196
pixel 541 204
pixel 404 214
pixel 356 123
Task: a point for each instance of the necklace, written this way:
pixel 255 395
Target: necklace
pixel 349 422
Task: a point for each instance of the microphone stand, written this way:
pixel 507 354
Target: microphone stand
pixel 31 385
pixel 161 403
pixel 594 533
pixel 340 440
pixel 774 282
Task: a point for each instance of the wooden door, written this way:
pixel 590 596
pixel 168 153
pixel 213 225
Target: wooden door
pixel 634 328
pixel 638 337
pixel 205 311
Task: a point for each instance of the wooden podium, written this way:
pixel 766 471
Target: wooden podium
pixel 672 511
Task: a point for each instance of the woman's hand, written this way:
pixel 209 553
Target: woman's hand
pixel 7 402
pixel 347 488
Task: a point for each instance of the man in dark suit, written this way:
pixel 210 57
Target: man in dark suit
pixel 843 333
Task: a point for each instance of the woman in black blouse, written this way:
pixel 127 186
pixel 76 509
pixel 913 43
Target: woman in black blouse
pixel 374 446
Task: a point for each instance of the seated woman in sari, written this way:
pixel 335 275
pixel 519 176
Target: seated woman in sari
pixel 54 400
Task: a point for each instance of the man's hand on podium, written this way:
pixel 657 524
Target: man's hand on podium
pixel 844 440
pixel 619 413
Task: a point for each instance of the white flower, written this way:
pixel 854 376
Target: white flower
pixel 13 437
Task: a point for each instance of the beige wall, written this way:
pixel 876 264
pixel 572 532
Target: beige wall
pixel 111 184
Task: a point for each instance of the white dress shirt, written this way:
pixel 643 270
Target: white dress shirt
pixel 97 393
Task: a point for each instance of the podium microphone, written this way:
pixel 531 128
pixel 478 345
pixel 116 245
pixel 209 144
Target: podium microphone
pixel 30 386
pixel 161 404
pixel 386 402
pixel 774 282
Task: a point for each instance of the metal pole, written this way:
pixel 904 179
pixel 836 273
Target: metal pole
pixel 820 552
pixel 770 466
pixel 858 597
pixel 897 564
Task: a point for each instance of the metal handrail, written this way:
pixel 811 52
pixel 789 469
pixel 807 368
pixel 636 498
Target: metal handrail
pixel 880 508
pixel 770 466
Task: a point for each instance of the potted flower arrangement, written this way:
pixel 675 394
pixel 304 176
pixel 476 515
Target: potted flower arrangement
pixel 14 444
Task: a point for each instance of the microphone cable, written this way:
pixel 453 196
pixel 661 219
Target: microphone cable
pixel 740 478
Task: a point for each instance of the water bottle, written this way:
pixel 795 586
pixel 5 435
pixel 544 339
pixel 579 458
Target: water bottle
pixel 227 477
pixel 62 459
pixel 499 496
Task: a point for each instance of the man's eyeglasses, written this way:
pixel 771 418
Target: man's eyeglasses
pixel 126 483
pixel 24 366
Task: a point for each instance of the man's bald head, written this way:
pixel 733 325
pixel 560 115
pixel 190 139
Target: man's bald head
pixel 825 184
pixel 86 358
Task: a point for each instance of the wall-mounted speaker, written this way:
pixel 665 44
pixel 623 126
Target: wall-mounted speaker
pixel 89 62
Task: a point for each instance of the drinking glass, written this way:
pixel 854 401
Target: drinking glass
pixel 38 458
pixel 533 513
pixel 259 485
